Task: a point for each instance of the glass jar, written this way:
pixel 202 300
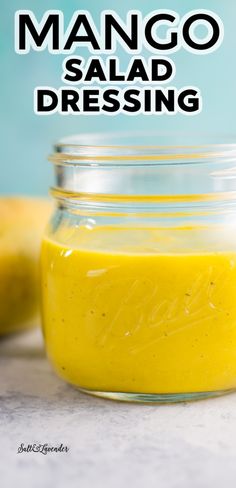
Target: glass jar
pixel 139 268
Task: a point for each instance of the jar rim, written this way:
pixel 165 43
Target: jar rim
pixel 135 148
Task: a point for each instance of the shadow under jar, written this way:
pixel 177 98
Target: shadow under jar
pixel 139 268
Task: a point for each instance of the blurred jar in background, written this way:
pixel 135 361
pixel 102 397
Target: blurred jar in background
pixel 22 221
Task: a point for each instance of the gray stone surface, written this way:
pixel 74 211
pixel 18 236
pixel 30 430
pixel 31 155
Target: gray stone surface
pixel 110 444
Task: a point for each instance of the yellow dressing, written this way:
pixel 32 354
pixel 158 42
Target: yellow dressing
pixel 139 318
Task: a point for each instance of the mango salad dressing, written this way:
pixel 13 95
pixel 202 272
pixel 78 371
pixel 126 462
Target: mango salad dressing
pixel 139 317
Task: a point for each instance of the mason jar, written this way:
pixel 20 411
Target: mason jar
pixel 138 268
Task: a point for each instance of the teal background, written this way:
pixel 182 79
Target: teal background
pixel 27 138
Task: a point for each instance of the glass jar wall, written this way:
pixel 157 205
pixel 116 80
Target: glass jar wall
pixel 139 268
